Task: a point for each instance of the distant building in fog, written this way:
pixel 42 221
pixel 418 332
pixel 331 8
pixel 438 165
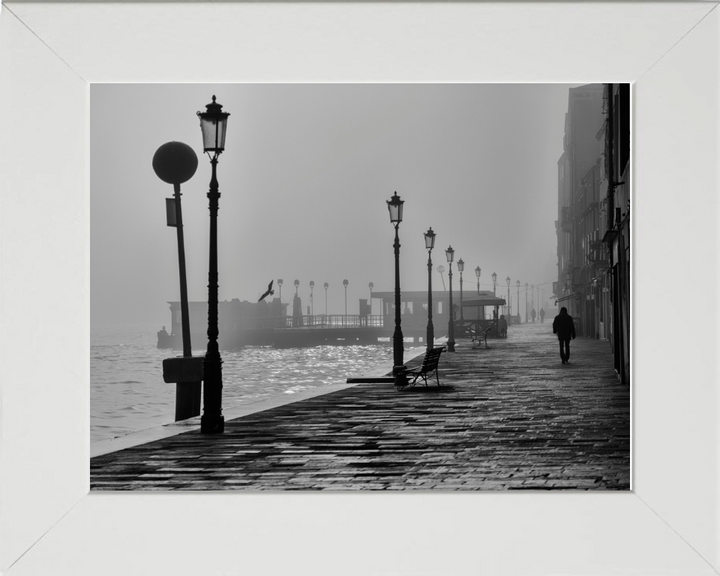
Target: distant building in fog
pixel 578 221
pixel 593 216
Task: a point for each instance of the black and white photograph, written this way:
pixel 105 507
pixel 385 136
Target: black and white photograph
pixel 268 273
pixel 360 287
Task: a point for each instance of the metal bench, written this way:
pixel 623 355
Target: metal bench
pixel 429 365
pixel 481 336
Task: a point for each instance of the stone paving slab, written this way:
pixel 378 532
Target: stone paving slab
pixel 510 417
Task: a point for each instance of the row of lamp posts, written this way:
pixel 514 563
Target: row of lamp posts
pixel 395 208
pixel 326 286
pixel 176 165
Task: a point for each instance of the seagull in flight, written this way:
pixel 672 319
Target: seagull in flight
pixel 268 291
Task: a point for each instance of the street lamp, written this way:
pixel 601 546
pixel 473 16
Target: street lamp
pixel 345 283
pixel 312 298
pixel 297 306
pixel 326 287
pixel 213 124
pixel 449 253
pixel 532 298
pixel 175 163
pixel 395 208
pixel 461 267
pixel 280 283
pixel 509 308
pixel 494 277
pixel 518 299
pixel 429 245
pixel 371 286
pixel 477 274
pixel 526 309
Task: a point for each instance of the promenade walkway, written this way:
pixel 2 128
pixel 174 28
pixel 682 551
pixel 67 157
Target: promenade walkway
pixel 508 417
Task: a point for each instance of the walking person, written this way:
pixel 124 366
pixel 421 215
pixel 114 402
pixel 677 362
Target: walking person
pixel 502 326
pixel 532 315
pixel 542 315
pixel 564 327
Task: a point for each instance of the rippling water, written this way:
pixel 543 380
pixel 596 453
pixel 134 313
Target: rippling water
pixel 128 393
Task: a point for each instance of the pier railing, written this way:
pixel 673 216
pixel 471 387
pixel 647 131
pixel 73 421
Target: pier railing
pixel 331 321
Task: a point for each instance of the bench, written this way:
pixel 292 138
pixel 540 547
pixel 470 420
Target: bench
pixel 482 336
pixel 429 365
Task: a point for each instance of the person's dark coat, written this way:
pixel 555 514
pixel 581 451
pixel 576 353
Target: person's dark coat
pixel 564 326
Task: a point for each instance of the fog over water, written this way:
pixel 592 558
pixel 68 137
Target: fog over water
pixel 304 181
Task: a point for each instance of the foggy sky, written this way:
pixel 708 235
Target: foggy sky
pixel 304 181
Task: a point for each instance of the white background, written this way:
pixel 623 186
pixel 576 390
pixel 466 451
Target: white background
pixel 49 53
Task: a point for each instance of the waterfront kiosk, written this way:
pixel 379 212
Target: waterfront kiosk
pixel 415 317
pixel 474 314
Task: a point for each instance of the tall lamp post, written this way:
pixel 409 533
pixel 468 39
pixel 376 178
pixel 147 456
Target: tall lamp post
pixel 345 283
pixel 518 299
pixel 312 298
pixel 429 245
pixel 175 163
pixel 371 286
pixel 280 283
pixel 213 123
pixel 532 298
pixel 449 253
pixel 395 207
pixel 441 271
pixel 326 287
pixel 509 308
pixel 526 309
pixel 494 277
pixel 461 267
pixel 477 274
pixel 297 307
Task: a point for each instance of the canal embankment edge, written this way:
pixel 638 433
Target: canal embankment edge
pixel 132 439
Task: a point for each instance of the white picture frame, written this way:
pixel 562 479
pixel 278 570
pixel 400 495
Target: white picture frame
pixel 49 523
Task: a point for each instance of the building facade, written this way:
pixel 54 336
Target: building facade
pixel 593 226
pixel 579 190
pixel 617 233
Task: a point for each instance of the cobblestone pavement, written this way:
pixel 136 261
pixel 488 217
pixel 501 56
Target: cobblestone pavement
pixel 511 417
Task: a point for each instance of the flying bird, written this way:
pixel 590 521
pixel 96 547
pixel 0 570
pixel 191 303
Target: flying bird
pixel 268 291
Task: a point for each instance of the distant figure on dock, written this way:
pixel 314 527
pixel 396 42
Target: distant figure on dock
pixel 502 326
pixel 564 327
pixel 364 312
pixel 532 315
pixel 542 315
pixel 163 339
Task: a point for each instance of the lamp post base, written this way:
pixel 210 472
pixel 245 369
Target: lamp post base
pixel 212 425
pixel 400 377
